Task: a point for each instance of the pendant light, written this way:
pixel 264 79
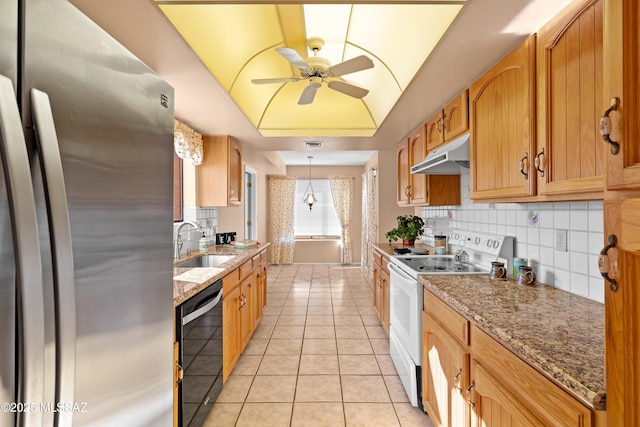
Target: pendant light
pixel 309 198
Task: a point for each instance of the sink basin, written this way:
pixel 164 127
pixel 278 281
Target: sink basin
pixel 205 261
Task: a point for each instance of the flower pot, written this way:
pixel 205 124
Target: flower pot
pixel 408 242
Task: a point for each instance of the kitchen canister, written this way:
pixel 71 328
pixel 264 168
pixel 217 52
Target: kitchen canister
pixel 517 262
pixel 440 243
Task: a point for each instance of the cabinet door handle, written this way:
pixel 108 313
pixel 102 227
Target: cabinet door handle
pixel 522 166
pixel 444 122
pixel 456 380
pixel 407 191
pixel 538 162
pixel 439 125
pixel 605 125
pixel 179 373
pixel 467 393
pixel 609 267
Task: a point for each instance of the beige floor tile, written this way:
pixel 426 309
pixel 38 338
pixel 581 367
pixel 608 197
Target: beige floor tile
pixel 288 331
pixel 319 302
pixel 368 311
pixel 291 320
pixel 284 346
pixel 380 345
pixel 275 301
pixel 318 388
pixel 265 415
pixel 319 364
pixel 271 311
pixel 345 311
pixel 247 365
pixel 345 302
pixel 354 346
pixel 320 331
pixel 364 388
pixel 319 346
pixel 268 320
pixel 307 414
pixel 320 320
pixel 371 320
pixel 276 388
pixel 263 331
pixel 294 311
pixel 256 346
pixel 411 417
pixel 235 389
pixel 348 320
pixel 324 310
pixel 376 331
pixel 385 363
pixel 396 389
pixel 350 331
pixel 223 415
pixel 370 415
pixel 358 364
pixel 281 364
pixel 296 302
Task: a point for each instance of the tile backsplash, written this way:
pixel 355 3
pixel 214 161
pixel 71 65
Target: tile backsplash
pixel 207 217
pixel 535 227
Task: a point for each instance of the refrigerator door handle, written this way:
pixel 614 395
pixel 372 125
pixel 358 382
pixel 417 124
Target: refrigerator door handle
pixel 15 159
pixel 62 251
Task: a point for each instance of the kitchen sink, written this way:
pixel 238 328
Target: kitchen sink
pixel 204 261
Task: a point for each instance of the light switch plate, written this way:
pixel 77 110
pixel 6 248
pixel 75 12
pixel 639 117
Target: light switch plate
pixel 561 240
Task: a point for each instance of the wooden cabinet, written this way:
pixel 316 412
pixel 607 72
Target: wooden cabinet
pixel 571 154
pixel 244 297
pixel 469 378
pixel 502 119
pixel 505 391
pixel 449 123
pixel 219 177
pixel 381 281
pixel 421 189
pixel 621 212
pixel 445 376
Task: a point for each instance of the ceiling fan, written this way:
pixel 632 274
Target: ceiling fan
pixel 318 70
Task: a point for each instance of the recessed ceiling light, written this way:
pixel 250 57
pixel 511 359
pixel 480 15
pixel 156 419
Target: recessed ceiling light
pixel 313 144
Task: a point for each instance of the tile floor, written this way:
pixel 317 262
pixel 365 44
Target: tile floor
pixel 319 357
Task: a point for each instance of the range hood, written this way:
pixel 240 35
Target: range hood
pixel 446 160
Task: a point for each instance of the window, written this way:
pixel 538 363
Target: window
pixel 322 221
pixel 177 188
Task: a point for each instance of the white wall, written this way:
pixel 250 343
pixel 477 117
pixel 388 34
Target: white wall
pixel 575 271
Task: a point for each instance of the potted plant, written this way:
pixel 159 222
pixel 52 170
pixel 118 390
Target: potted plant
pixel 409 229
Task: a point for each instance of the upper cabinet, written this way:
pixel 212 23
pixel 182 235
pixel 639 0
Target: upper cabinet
pixel 571 154
pixel 502 107
pixel 220 174
pixel 449 123
pixel 622 53
pixel 420 189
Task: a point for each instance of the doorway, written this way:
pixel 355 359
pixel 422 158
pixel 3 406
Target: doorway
pixel 250 211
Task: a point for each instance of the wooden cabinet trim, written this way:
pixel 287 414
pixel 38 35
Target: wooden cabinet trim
pixel 451 320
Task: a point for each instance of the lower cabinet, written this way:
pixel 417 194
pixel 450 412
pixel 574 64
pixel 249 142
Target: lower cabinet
pixel 381 295
pixel 244 292
pixel 470 379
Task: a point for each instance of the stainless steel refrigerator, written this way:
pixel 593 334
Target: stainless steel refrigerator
pixel 86 139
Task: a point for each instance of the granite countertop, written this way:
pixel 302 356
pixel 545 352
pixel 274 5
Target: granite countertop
pixel 387 248
pixel 558 333
pixel 199 278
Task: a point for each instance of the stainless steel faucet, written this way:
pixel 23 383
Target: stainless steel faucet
pixel 178 243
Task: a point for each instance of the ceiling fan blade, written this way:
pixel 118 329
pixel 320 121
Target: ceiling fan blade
pixel 292 56
pixel 276 80
pixel 348 89
pixel 308 94
pixel 358 63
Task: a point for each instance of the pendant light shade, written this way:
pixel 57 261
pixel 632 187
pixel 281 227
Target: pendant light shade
pixel 309 198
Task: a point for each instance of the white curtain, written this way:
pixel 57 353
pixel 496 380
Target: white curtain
pixel 342 193
pixel 282 199
pixel 369 220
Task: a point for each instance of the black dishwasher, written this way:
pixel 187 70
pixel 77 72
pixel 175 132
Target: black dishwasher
pixel 199 334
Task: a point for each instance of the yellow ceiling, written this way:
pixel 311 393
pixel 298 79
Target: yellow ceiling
pixel 237 43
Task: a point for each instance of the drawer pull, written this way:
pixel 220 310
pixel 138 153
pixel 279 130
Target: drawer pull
pixel 605 125
pixel 468 393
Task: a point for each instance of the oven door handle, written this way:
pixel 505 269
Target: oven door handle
pixel 401 273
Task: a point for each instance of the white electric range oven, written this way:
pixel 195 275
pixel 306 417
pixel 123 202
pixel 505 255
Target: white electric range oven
pixel 474 254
